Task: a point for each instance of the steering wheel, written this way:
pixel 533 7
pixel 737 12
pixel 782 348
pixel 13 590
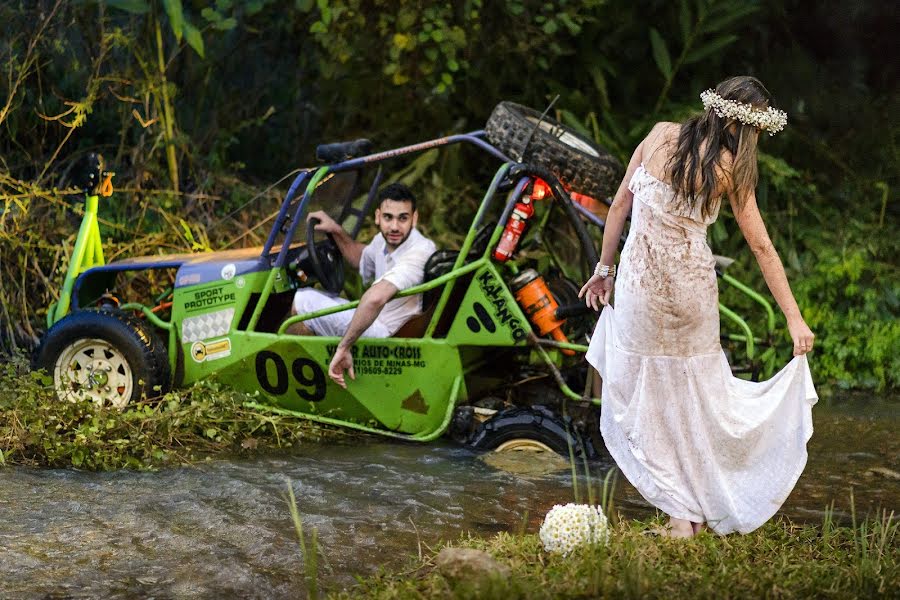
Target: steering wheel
pixel 326 259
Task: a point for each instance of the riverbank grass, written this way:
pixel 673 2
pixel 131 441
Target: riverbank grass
pixel 182 427
pixel 780 560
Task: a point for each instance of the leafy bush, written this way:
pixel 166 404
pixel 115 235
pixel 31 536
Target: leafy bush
pixel 852 298
pixel 156 88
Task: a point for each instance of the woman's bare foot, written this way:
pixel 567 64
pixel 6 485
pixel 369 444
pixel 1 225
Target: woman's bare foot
pixel 676 528
pixel 680 528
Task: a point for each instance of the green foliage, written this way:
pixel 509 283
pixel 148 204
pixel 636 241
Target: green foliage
pixel 37 429
pixel 851 298
pixel 174 10
pixel 309 549
pixel 135 7
pixel 431 44
pixel 702 25
pixel 234 92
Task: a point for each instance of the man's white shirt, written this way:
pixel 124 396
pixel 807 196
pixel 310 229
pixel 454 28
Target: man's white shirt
pixel 404 268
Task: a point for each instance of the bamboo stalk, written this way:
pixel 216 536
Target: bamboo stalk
pixel 168 117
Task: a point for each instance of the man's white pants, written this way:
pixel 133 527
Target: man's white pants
pixel 308 300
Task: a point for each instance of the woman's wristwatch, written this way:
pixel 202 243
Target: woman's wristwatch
pixel 604 271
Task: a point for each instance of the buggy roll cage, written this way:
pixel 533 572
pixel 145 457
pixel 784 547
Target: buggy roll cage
pixel 509 171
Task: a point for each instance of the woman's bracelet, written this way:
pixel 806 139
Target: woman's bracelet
pixel 604 271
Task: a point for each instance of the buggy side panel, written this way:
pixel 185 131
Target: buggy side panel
pixel 489 314
pixel 402 385
pixel 206 313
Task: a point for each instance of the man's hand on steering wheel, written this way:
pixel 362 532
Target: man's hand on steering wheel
pixel 325 223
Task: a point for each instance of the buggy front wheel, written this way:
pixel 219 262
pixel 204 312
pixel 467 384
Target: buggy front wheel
pixel 103 356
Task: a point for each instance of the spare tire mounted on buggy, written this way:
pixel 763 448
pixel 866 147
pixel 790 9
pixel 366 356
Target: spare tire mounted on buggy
pixel 530 137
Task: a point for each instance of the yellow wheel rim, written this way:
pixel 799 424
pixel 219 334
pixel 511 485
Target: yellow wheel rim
pixel 523 445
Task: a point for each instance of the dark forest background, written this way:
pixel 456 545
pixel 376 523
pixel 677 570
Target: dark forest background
pixel 200 106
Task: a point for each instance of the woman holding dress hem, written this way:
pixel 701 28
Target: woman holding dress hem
pixel 697 443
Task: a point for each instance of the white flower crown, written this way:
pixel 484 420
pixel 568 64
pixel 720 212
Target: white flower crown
pixel 770 119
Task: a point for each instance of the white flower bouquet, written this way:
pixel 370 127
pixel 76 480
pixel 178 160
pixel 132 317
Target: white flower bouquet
pixel 568 527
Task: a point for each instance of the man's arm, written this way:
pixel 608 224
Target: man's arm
pixel 369 308
pixel 350 248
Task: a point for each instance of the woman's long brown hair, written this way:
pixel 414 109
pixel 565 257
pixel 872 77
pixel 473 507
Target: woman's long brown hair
pixel 695 165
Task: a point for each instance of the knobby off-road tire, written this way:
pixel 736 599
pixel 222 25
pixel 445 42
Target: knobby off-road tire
pixel 537 424
pixel 105 356
pixel 578 162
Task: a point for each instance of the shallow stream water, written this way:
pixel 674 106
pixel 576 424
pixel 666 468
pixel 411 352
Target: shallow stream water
pixel 223 529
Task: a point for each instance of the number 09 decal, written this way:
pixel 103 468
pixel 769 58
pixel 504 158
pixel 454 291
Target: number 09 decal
pixel 305 372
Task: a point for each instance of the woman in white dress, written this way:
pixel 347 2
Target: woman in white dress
pixel 698 443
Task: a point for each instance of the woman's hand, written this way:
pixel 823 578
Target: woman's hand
pixel 802 335
pixel 597 289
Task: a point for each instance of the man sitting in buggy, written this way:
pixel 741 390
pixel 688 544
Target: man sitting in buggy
pixel 393 261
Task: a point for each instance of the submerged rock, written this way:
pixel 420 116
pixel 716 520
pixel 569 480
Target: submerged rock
pixel 883 472
pixel 467 564
pixel 524 462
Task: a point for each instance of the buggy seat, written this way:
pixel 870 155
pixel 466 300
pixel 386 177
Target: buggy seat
pixel 438 264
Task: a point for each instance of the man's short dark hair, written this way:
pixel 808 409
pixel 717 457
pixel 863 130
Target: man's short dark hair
pixel 397 192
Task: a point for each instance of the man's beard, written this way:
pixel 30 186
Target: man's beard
pixel 392 245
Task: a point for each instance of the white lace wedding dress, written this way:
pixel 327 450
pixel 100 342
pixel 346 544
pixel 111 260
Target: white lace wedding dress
pixel 696 442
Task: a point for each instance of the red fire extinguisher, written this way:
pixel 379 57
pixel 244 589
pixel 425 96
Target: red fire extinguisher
pixel 515 227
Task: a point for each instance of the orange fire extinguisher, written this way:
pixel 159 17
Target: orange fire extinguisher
pixel 518 221
pixel 536 300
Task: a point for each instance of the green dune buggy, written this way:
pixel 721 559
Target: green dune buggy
pixel 495 359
